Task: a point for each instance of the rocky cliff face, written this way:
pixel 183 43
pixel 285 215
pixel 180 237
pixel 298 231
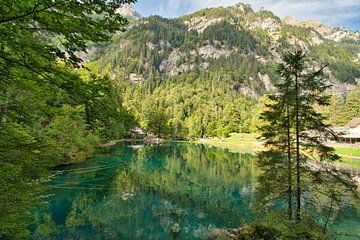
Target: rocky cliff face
pixel 235 37
pixel 128 11
pixel 333 34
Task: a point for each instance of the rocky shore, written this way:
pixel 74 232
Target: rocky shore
pixel 147 139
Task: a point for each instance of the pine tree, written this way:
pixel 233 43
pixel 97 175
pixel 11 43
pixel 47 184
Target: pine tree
pixel 292 129
pixel 335 111
pixel 277 132
pixel 352 106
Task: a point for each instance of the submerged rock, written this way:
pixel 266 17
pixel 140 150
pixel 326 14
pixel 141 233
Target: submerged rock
pixel 175 232
pixel 222 234
pixel 127 195
pixel 111 143
pixel 217 235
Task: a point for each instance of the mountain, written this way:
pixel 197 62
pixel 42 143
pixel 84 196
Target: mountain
pixel 161 47
pixel 128 11
pixel 206 68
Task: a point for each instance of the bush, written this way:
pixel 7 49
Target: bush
pixel 259 231
pixel 68 138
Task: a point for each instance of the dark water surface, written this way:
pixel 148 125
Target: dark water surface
pixel 141 191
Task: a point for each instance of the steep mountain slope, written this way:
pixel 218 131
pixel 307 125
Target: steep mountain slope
pixel 129 12
pixel 223 39
pixel 205 71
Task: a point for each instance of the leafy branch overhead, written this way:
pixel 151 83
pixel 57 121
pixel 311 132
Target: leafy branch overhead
pixel 51 114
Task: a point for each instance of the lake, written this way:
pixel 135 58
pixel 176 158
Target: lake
pixel 137 191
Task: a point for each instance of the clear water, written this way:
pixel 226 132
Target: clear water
pixel 142 191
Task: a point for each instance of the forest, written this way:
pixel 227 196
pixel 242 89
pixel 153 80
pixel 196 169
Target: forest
pixel 52 111
pixel 206 96
pixel 58 107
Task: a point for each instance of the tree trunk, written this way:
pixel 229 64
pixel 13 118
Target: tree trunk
pixel 289 165
pixel 298 190
pixel 87 114
pixel 328 217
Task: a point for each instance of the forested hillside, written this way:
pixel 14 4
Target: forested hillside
pixel 206 72
pixel 75 74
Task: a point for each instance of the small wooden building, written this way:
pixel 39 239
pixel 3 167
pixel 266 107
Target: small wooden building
pixel 137 133
pixel 352 134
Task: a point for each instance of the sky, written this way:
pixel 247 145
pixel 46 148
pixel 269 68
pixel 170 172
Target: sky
pixel 335 13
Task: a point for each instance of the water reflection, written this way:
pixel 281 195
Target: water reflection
pixel 143 191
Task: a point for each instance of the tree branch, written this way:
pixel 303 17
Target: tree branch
pixel 33 11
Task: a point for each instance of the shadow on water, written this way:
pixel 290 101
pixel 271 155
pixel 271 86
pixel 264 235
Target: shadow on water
pixel 142 191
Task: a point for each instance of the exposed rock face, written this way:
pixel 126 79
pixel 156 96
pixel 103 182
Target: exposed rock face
pixel 247 91
pixel 357 58
pixel 342 88
pixel 201 23
pixel 210 52
pixel 245 8
pixel 295 41
pixel 150 45
pixel 172 66
pixel 271 25
pixel 135 78
pixel 128 11
pixel 315 38
pixel 341 34
pixel 267 82
pixel 334 34
pixel 86 56
pixel 179 62
pixel 265 35
pixel 222 234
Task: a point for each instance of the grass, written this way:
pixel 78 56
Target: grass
pixel 350 157
pixel 349 162
pixel 247 143
pixel 239 142
pixel 354 152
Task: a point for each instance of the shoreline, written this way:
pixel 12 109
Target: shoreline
pixel 151 140
pixel 256 146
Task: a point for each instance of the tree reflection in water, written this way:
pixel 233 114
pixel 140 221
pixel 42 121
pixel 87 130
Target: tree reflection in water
pixel 142 191
pixel 137 192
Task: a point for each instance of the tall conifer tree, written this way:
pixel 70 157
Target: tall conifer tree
pixel 293 129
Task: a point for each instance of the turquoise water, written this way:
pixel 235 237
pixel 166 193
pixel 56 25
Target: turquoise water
pixel 140 191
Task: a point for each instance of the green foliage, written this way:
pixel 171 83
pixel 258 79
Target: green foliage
pixel 17 170
pixel 267 14
pixel 209 12
pixel 261 15
pixel 229 13
pixel 334 112
pixel 272 228
pixel 339 59
pixel 258 231
pixel 154 120
pixel 164 55
pixel 291 128
pixel 342 109
pixel 352 104
pixel 295 31
pixel 67 136
pixel 51 114
pixel 227 34
pixel 166 40
pixel 48 112
pixel 197 106
pixel 160 36
pixel 182 175
pixel 104 112
pixel 48 226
